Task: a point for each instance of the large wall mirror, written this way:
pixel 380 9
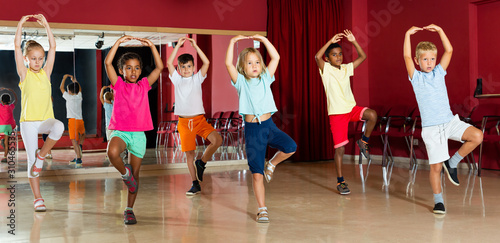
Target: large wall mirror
pixel 81 53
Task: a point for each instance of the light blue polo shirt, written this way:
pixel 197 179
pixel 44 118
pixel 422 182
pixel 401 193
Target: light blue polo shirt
pixel 108 111
pixel 255 95
pixel 432 96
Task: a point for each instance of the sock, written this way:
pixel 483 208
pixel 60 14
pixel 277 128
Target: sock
pixel 455 159
pixel 127 174
pixel 263 208
pixel 129 208
pixel 39 157
pixel 340 179
pixel 438 198
pixel 365 138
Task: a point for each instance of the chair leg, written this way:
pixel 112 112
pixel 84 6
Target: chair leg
pixel 480 160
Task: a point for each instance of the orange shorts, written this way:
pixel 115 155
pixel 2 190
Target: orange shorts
pixel 75 128
pixel 190 127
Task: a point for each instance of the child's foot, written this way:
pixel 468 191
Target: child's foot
pixel 195 189
pixel 199 167
pixel 129 217
pixel 269 171
pixel 262 216
pixel 39 205
pixel 439 208
pixel 452 173
pixel 49 156
pixel 343 189
pixel 130 180
pixel 364 148
pixel 4 160
pixel 35 171
pixel 72 162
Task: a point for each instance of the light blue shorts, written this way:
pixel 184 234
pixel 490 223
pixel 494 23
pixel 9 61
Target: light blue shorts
pixel 5 129
pixel 135 141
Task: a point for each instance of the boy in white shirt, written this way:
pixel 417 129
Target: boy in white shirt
pixel 189 108
pixel 76 127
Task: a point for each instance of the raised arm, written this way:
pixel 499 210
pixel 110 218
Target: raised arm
pixel 63 82
pixel 171 58
pixel 410 67
pixel 18 52
pixel 231 69
pixel 101 94
pixel 359 50
pixel 73 79
pixel 155 74
pixel 51 54
pixel 319 57
pixel 448 49
pixel 273 53
pixel 108 62
pixel 203 57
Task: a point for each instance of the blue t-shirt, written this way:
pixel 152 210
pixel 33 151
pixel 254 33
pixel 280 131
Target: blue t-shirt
pixel 108 110
pixel 255 95
pixel 432 96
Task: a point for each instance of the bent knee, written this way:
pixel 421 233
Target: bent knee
pixel 371 115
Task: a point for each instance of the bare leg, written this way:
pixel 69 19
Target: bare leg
pixel 259 189
pixel 115 147
pixel 136 166
pixel 47 146
pixel 339 155
pixel 370 116
pixel 6 146
pixel 215 142
pixel 189 161
pixel 35 187
pixel 280 157
pixel 472 137
pixel 435 177
pixel 76 148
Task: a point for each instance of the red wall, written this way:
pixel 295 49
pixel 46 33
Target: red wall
pixel 215 14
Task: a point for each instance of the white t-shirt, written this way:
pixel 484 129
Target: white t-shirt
pixel 73 105
pixel 188 94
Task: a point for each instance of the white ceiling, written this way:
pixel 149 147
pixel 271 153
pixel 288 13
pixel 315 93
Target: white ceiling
pixel 68 40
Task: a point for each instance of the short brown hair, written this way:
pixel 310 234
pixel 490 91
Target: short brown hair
pixel 423 47
pixel 108 96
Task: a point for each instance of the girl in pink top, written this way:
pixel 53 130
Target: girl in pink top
pixel 131 115
pixel 7 122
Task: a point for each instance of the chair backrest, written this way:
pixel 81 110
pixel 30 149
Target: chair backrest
pixel 217 115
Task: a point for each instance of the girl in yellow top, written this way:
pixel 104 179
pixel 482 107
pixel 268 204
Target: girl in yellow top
pixel 37 116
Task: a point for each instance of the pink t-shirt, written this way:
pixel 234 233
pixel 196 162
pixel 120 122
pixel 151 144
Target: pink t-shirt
pixel 7 115
pixel 131 106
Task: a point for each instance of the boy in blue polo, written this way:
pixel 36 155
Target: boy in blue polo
pixel 438 122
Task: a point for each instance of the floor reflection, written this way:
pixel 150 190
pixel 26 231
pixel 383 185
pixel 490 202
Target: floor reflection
pixel 302 201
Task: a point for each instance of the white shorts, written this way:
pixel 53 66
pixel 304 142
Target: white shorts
pixel 436 138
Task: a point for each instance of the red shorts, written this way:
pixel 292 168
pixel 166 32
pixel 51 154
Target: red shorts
pixel 339 124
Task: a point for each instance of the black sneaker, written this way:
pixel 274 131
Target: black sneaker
pixel 439 208
pixel 199 167
pixel 129 217
pixel 452 173
pixel 343 189
pixel 363 148
pixel 195 189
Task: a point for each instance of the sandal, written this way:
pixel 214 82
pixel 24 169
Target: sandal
pixel 268 171
pixel 262 216
pixel 39 205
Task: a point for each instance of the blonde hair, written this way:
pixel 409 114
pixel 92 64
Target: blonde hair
pixel 108 96
pixel 423 47
pixel 30 45
pixel 243 57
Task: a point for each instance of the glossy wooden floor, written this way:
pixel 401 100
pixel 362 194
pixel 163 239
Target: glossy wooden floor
pixel 302 199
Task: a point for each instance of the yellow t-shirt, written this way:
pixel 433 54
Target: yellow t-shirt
pixel 36 93
pixel 340 99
